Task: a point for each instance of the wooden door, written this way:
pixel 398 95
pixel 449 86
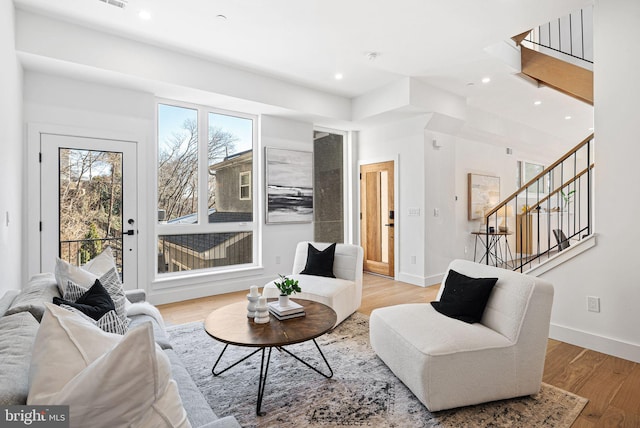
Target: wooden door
pixel 377 217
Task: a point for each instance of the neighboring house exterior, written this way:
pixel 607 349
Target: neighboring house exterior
pixel 233 204
pixel 233 183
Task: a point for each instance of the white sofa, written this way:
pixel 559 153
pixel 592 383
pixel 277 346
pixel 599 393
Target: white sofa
pixel 448 363
pixel 343 294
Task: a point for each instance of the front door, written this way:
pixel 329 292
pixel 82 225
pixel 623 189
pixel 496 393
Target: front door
pixel 88 202
pixel 377 217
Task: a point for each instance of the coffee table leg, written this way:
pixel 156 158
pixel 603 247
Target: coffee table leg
pixel 262 381
pixel 329 376
pixel 213 370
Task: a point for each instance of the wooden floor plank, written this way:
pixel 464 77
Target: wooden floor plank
pixel 615 417
pixel 557 362
pixel 583 422
pixel 611 384
pixel 579 370
pixel 628 397
pixel 603 385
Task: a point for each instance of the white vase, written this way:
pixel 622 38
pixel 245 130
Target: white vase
pixel 262 312
pixel 251 306
pixel 283 300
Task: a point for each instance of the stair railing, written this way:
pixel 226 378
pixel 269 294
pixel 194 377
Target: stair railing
pixel 571 35
pixel 545 216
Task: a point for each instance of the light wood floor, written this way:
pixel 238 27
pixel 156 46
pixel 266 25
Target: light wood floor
pixel 611 384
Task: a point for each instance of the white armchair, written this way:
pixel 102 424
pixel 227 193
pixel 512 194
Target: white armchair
pixel 448 363
pixel 343 293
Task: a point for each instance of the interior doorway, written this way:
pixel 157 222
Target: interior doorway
pixel 377 217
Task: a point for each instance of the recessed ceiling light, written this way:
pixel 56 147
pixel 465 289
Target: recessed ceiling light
pixel 537 103
pixel 486 79
pixel 338 76
pixel 567 117
pixel 145 15
pixel 221 17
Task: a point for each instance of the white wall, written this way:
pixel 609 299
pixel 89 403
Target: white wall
pixel 431 179
pixel 402 142
pixel 447 167
pixel 12 159
pixel 91 110
pixel 98 108
pixel 609 269
pixel 182 75
pixel 279 240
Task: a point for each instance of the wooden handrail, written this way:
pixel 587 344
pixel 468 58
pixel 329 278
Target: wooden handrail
pixel 543 173
pixel 559 189
pixel 520 37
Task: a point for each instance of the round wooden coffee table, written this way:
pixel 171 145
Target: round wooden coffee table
pixel 231 326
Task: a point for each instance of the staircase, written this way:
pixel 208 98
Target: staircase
pixel 553 213
pixel 549 214
pixel 558 54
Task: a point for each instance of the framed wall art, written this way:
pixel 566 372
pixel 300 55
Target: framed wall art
pixel 484 193
pixel 289 182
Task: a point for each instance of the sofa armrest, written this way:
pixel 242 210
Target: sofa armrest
pixel 6 300
pixel 226 422
pixel 135 296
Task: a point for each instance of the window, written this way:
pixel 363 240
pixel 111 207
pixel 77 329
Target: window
pixel 527 171
pixel 204 221
pixel 245 186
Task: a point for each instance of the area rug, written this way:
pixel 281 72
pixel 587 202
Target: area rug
pixel 362 392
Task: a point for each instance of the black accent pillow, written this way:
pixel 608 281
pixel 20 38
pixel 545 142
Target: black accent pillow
pixel 320 263
pixel 464 298
pixel 94 303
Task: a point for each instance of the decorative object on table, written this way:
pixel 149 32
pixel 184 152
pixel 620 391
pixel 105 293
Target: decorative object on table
pixel 504 212
pixel 287 286
pixel 252 297
pixel 262 313
pixel 292 310
pixel 484 192
pixel 289 186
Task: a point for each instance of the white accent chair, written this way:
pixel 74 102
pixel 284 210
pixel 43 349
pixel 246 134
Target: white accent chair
pixel 343 293
pixel 448 363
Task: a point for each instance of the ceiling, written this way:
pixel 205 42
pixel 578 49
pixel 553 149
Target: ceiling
pixel 442 43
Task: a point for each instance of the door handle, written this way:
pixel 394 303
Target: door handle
pixel 390 224
pixel 130 232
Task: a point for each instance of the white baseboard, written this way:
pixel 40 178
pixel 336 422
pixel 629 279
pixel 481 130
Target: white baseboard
pixel 565 255
pixel 421 281
pixel 161 296
pixel 411 279
pixel 606 345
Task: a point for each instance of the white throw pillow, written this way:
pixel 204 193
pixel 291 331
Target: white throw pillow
pixel 86 274
pixel 66 272
pixel 101 263
pixel 106 379
pixel 109 322
pixel 74 281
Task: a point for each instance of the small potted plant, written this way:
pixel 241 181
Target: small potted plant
pixel 287 286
